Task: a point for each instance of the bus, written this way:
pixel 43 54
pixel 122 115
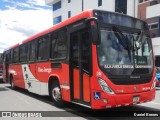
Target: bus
pixel 97 59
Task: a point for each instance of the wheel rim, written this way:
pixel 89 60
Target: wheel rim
pixel 56 94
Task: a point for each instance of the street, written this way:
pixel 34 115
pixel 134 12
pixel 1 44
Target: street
pixel 22 100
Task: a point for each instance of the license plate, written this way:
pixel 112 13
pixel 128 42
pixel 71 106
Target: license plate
pixel 135 99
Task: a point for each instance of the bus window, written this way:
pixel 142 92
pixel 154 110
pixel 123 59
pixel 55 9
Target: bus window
pixel 43 48
pixel 16 55
pixel 53 43
pixel 23 53
pixel 32 51
pixel 59 45
pixel 75 51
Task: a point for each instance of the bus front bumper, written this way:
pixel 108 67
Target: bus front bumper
pixel 101 100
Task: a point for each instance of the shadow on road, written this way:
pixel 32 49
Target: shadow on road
pixel 80 111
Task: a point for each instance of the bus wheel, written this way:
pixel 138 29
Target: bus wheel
pixel 12 83
pixel 56 94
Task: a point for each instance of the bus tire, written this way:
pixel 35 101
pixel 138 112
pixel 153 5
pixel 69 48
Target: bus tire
pixel 12 83
pixel 56 94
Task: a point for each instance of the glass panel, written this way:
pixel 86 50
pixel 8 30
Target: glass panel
pixel 23 53
pixel 57 6
pixel 99 3
pixel 43 48
pixel 59 45
pixel 15 55
pixel 32 51
pixel 125 56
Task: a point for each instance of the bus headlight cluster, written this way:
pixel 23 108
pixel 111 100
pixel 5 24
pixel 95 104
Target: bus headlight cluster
pixel 154 83
pixel 104 86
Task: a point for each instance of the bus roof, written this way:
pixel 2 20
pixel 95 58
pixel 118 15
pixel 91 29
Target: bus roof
pixel 85 14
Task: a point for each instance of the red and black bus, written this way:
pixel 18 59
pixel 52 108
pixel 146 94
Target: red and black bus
pixel 97 59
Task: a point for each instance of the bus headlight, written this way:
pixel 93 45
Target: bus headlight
pixel 105 87
pixel 154 83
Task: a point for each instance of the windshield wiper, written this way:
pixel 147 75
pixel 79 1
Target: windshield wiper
pixel 138 40
pixel 123 40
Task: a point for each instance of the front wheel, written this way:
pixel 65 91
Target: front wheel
pixel 56 95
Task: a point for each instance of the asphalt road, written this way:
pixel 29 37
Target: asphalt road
pixel 23 102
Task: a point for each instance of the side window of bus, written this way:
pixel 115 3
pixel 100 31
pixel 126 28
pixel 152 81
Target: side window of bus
pixel 7 57
pixel 16 55
pixel 59 45
pixel 85 51
pixel 43 48
pixel 23 50
pixel 32 51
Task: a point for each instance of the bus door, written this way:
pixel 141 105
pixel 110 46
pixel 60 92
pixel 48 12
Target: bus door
pixel 80 62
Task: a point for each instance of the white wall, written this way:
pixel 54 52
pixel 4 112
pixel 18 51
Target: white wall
pixel 132 7
pixel 153 11
pixel 75 6
pixel 156 45
pixel 108 5
pixel 57 13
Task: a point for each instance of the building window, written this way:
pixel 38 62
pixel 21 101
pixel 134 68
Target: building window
pixel 99 3
pixel 69 14
pixel 69 1
pixel 57 20
pixel 153 26
pixel 57 6
pixel 153 3
pixel 121 6
pixel 43 45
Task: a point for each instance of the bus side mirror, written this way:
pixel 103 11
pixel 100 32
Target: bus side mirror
pixel 94 30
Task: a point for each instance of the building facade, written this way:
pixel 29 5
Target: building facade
pixel 149 10
pixel 64 9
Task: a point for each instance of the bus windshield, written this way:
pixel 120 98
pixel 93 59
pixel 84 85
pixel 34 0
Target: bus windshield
pixel 124 55
pixel 125 47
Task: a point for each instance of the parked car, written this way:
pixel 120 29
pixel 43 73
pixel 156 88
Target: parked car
pixel 1 77
pixel 158 76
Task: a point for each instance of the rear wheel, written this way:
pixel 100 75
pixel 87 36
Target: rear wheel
pixel 55 93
